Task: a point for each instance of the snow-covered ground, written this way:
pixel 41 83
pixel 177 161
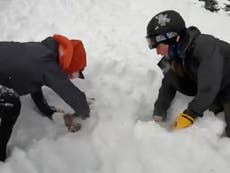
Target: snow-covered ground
pixel 123 77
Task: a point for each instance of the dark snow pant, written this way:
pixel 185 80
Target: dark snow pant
pixel 10 106
pixel 226 107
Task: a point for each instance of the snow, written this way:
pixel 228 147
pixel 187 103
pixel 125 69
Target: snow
pixel 123 77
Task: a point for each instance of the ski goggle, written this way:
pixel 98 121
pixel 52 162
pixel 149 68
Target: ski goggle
pixel 154 41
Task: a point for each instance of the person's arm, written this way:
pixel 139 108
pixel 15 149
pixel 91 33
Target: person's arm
pixel 166 94
pixel 42 104
pixel 74 97
pixel 209 81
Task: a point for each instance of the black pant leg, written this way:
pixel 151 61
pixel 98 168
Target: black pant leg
pixel 10 106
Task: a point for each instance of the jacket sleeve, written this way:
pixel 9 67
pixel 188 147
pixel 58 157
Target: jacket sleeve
pixel 209 77
pixel 74 97
pixel 166 94
pixel 42 104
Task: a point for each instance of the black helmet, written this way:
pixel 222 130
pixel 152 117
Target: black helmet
pixel 165 25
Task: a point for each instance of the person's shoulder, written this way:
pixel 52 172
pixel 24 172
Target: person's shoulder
pixel 48 40
pixel 51 44
pixel 193 32
pixel 208 40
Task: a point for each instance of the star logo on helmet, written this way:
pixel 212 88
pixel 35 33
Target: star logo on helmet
pixel 162 19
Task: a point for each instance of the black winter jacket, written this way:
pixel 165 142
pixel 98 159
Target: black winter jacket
pixel 26 67
pixel 206 60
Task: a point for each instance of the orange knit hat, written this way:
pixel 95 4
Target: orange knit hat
pixel 72 55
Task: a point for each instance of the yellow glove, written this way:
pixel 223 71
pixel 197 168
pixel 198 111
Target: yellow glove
pixel 183 120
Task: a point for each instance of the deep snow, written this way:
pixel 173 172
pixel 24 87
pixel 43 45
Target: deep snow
pixel 123 77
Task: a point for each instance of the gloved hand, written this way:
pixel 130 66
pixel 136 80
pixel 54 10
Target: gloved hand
pixel 157 118
pixel 161 121
pixel 183 120
pixel 72 122
pixel 56 109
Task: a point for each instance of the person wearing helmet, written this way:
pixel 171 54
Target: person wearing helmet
pixel 194 64
pixel 26 67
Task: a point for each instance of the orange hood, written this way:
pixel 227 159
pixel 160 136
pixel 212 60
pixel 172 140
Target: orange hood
pixel 72 55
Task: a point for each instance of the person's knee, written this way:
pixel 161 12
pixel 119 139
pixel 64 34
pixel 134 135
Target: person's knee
pixel 227 131
pixel 226 107
pixel 216 108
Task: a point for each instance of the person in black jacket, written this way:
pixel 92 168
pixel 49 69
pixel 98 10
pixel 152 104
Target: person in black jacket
pixel 26 67
pixel 198 65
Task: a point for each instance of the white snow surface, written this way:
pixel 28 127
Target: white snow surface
pixel 123 77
